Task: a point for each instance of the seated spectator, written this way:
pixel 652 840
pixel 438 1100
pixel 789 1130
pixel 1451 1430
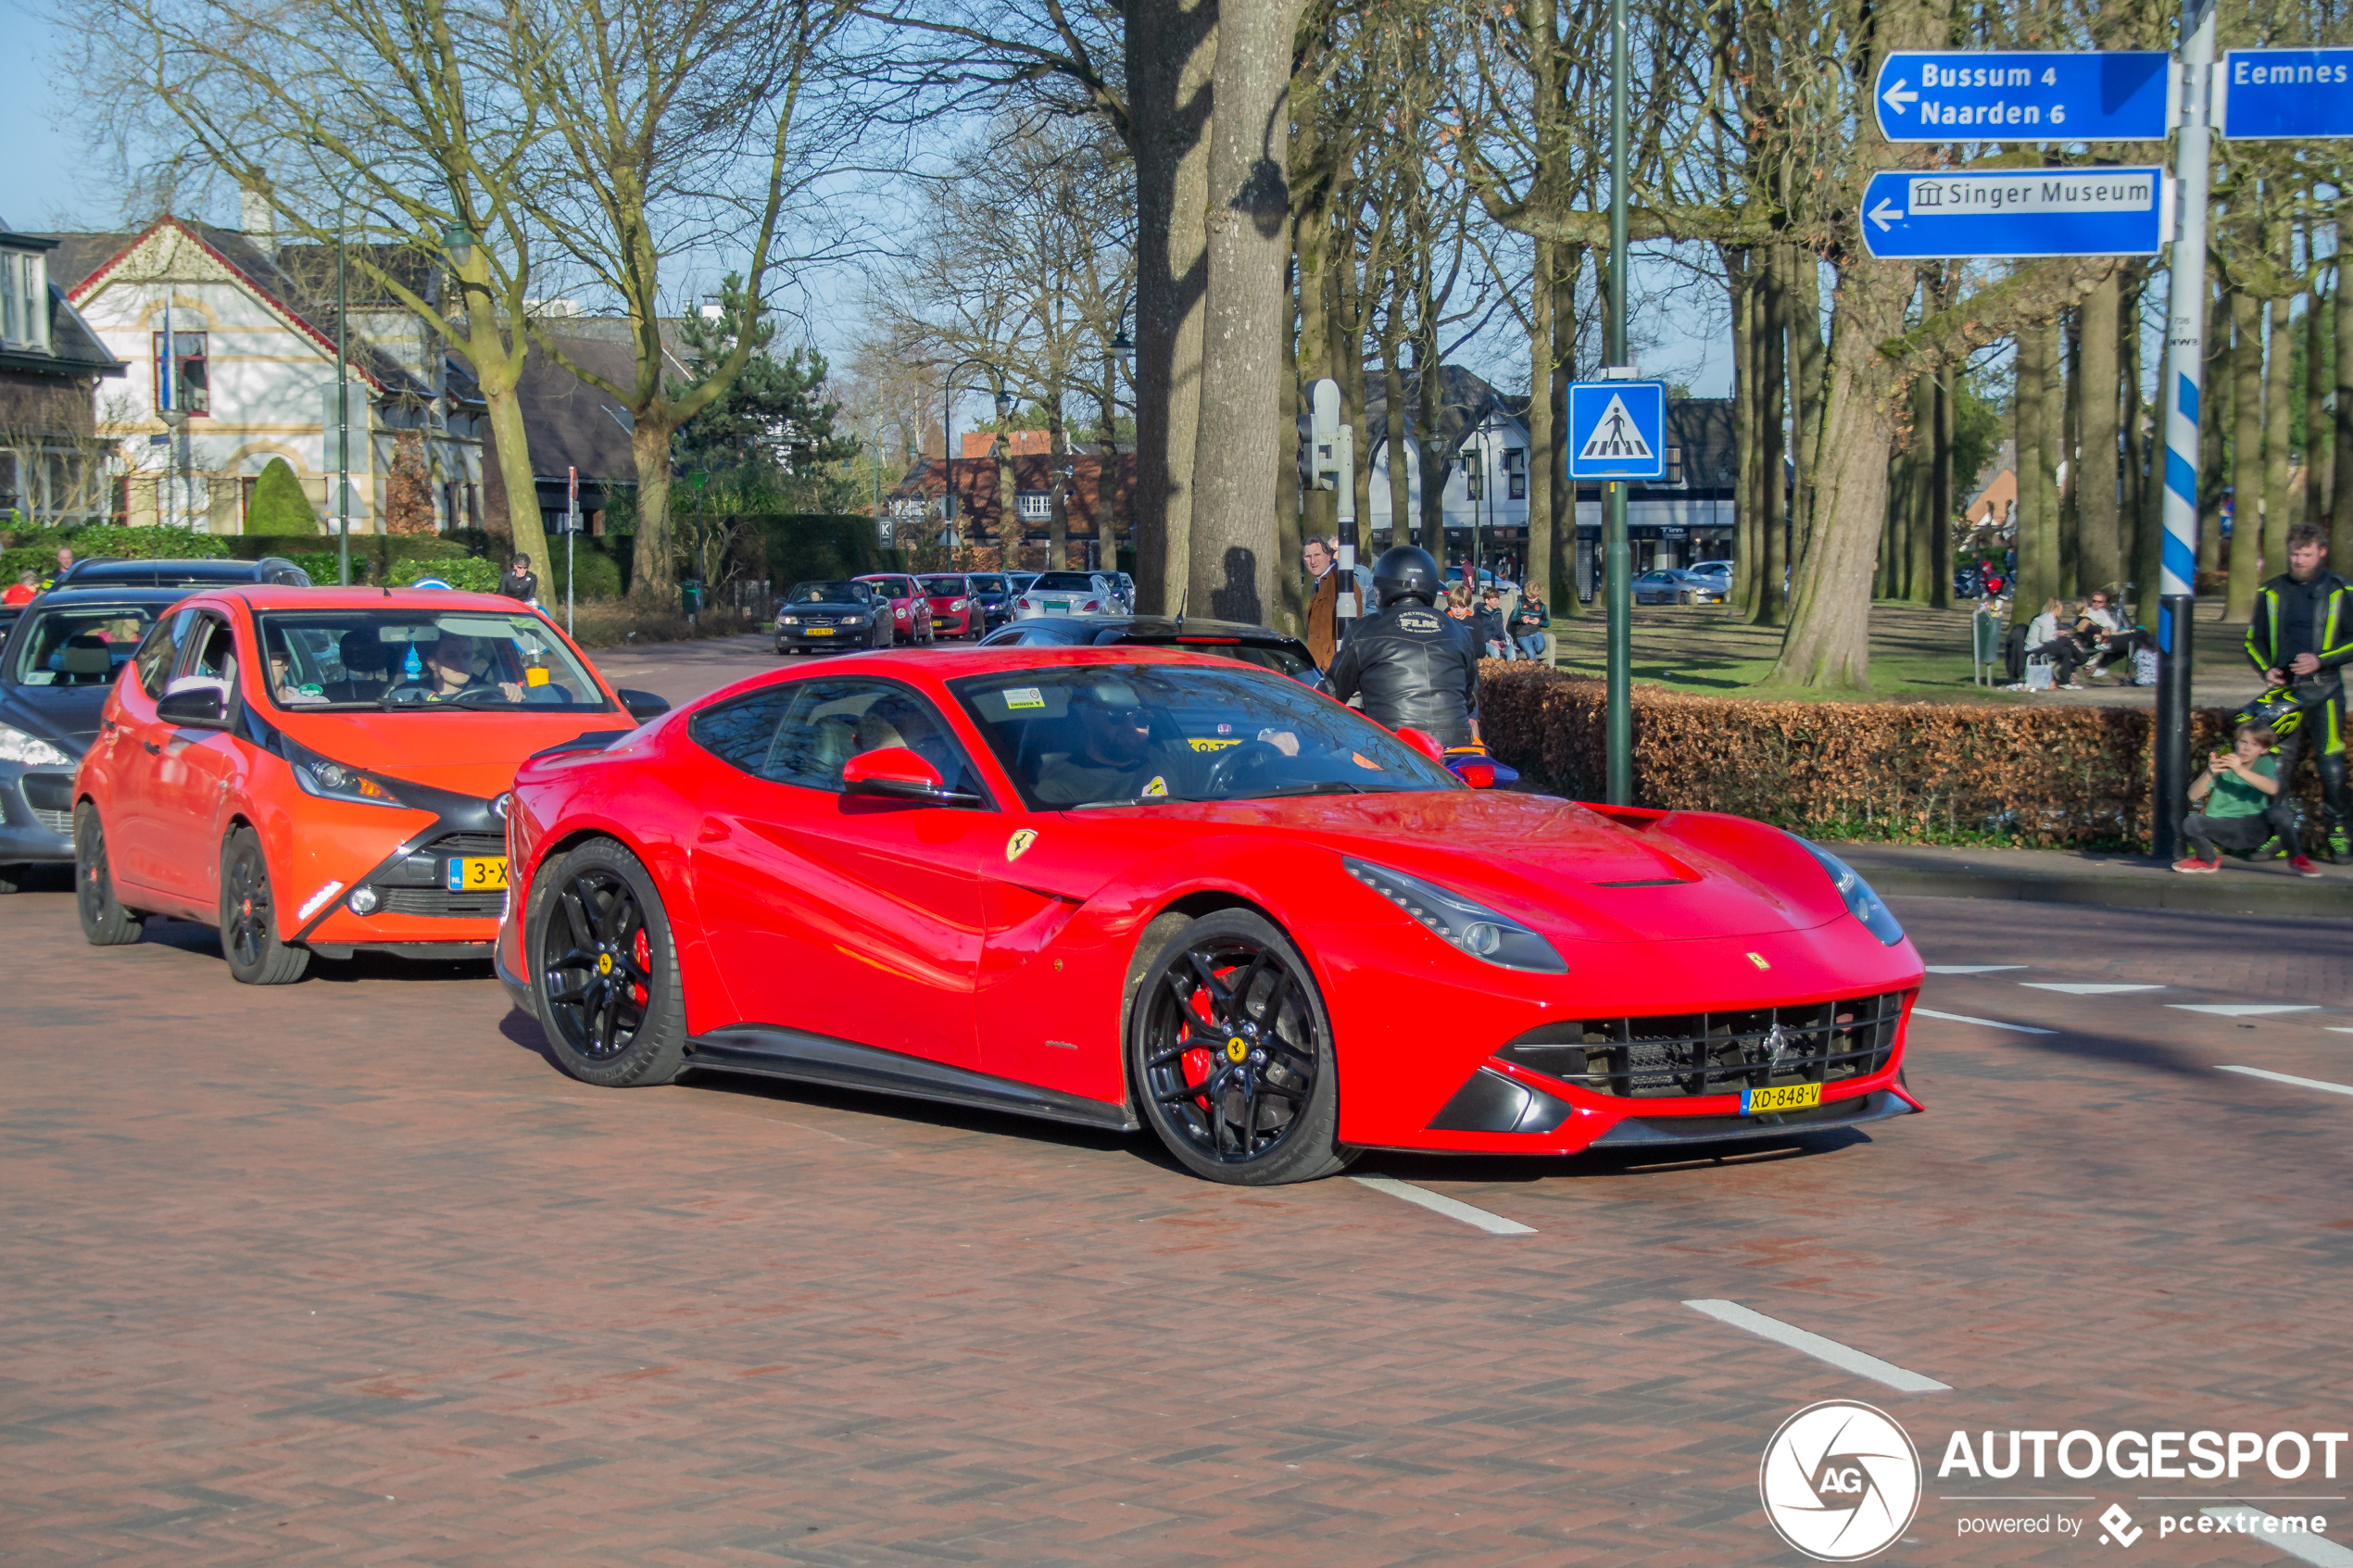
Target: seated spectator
pixel 2242 804
pixel 2046 639
pixel 1528 624
pixel 1493 637
pixel 2102 631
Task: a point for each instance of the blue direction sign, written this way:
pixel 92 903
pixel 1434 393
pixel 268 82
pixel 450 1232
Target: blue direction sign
pixel 1616 429
pixel 2026 212
pixel 2277 94
pixel 2023 97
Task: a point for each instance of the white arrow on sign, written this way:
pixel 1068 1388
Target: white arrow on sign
pixel 1885 215
pixel 1899 95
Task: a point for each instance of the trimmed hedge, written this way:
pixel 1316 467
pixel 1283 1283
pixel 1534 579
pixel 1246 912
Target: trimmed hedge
pixel 35 549
pixel 464 571
pixel 599 574
pixel 1906 771
pixel 799 547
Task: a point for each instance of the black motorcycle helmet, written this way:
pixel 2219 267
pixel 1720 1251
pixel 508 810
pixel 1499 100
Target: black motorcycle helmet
pixel 1405 573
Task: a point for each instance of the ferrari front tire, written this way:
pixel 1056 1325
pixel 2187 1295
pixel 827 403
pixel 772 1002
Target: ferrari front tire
pixel 606 984
pixel 1229 1050
pixel 104 922
pixel 249 917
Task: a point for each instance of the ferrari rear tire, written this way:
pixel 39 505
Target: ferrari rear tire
pixel 1229 1050
pixel 249 917
pixel 104 922
pixel 606 984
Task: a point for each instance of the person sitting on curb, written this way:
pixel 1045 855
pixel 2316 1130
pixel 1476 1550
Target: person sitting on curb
pixel 2243 805
pixel 2046 639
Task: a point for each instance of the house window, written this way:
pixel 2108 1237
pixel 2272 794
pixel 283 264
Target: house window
pixel 24 293
pixel 1515 473
pixel 1470 476
pixel 1674 464
pixel 1034 506
pixel 191 385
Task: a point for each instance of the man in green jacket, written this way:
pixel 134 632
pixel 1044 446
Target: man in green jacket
pixel 2301 636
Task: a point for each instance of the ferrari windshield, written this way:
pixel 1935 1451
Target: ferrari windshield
pixel 826 593
pixel 409 658
pixel 1149 734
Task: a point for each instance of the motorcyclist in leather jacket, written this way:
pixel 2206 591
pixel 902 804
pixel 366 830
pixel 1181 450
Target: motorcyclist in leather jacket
pixel 1413 665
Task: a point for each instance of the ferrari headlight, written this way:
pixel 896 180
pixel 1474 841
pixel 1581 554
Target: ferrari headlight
pixel 1861 902
pixel 29 751
pixel 1473 928
pixel 331 780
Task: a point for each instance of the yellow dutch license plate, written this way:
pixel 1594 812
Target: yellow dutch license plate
pixel 1781 1096
pixel 819 631
pixel 478 873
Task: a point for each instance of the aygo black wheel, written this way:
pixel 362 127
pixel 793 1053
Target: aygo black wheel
pixel 249 917
pixel 605 972
pixel 104 922
pixel 1230 1054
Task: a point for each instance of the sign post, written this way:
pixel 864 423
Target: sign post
pixel 2184 377
pixel 1958 95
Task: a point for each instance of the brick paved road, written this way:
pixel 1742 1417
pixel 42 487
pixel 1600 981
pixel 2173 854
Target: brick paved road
pixel 345 1272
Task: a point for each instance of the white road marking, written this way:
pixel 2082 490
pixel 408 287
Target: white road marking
pixel 1982 1023
pixel 1831 1350
pixel 2243 1009
pixel 2290 1078
pixel 2334 1029
pixel 1453 1208
pixel 2319 1550
pixel 2081 988
pixel 1973 968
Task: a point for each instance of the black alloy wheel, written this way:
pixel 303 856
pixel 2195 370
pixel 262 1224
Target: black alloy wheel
pixel 607 976
pixel 1230 1053
pixel 104 922
pixel 249 917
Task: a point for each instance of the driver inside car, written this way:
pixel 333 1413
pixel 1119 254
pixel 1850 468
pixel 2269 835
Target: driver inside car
pixel 449 673
pixel 1113 754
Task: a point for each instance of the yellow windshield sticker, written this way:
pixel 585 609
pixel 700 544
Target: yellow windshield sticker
pixel 1159 786
pixel 1025 697
pixel 1208 743
pixel 534 676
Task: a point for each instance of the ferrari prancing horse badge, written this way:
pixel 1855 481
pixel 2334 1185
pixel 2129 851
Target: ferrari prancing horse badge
pixel 1018 845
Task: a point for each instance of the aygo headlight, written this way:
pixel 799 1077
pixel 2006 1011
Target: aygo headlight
pixel 1473 928
pixel 331 780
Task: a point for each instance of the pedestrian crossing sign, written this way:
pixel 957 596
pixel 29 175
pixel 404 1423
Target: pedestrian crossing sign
pixel 1618 430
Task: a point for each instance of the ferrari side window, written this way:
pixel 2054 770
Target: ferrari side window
pixel 801 733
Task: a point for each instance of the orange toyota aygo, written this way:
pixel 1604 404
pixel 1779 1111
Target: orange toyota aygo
pixel 325 770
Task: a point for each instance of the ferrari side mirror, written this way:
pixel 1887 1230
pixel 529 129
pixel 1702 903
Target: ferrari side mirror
pixel 894 772
pixel 642 706
pixel 1424 743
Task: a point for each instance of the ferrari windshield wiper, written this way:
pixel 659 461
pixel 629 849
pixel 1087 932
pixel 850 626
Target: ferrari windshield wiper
pixel 1138 800
pixel 1320 787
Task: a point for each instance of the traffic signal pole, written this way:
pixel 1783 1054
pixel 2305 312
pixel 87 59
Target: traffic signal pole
pixel 2184 380
pixel 1618 562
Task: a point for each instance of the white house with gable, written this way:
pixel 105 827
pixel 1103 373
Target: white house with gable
pixel 252 330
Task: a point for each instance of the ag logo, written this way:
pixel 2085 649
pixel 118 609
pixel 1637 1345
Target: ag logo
pixel 1018 845
pixel 1841 1481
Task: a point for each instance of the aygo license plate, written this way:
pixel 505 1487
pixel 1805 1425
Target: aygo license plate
pixel 478 873
pixel 1781 1096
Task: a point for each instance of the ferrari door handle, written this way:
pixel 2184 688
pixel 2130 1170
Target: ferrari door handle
pixel 712 831
pixel 152 749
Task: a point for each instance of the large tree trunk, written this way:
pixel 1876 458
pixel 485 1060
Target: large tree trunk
pixel 2279 496
pixel 1291 604
pixel 651 580
pixel 2066 471
pixel 2036 531
pixel 2247 453
pixel 1801 318
pixel 1171 47
pixel 2341 489
pixel 1772 518
pixel 1232 546
pixel 1316 361
pixel 2320 447
pixel 1393 382
pixel 1567 537
pixel 513 440
pixel 2097 504
pixel 1740 275
pixel 1941 498
pixel 1920 523
pixel 1829 642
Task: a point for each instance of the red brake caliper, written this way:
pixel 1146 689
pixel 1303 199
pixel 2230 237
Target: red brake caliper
pixel 642 951
pixel 1200 1061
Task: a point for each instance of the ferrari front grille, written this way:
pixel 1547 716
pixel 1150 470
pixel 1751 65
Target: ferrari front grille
pixel 441 903
pixel 1716 1053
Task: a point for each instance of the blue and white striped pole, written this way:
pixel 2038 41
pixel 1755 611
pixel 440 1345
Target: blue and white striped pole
pixel 2184 379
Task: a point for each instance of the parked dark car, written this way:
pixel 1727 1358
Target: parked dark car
pixel 277 571
pixel 1262 645
pixel 57 666
pixel 995 592
pixel 830 616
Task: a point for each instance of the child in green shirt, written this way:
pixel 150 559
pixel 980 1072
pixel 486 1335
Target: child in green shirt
pixel 2235 800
